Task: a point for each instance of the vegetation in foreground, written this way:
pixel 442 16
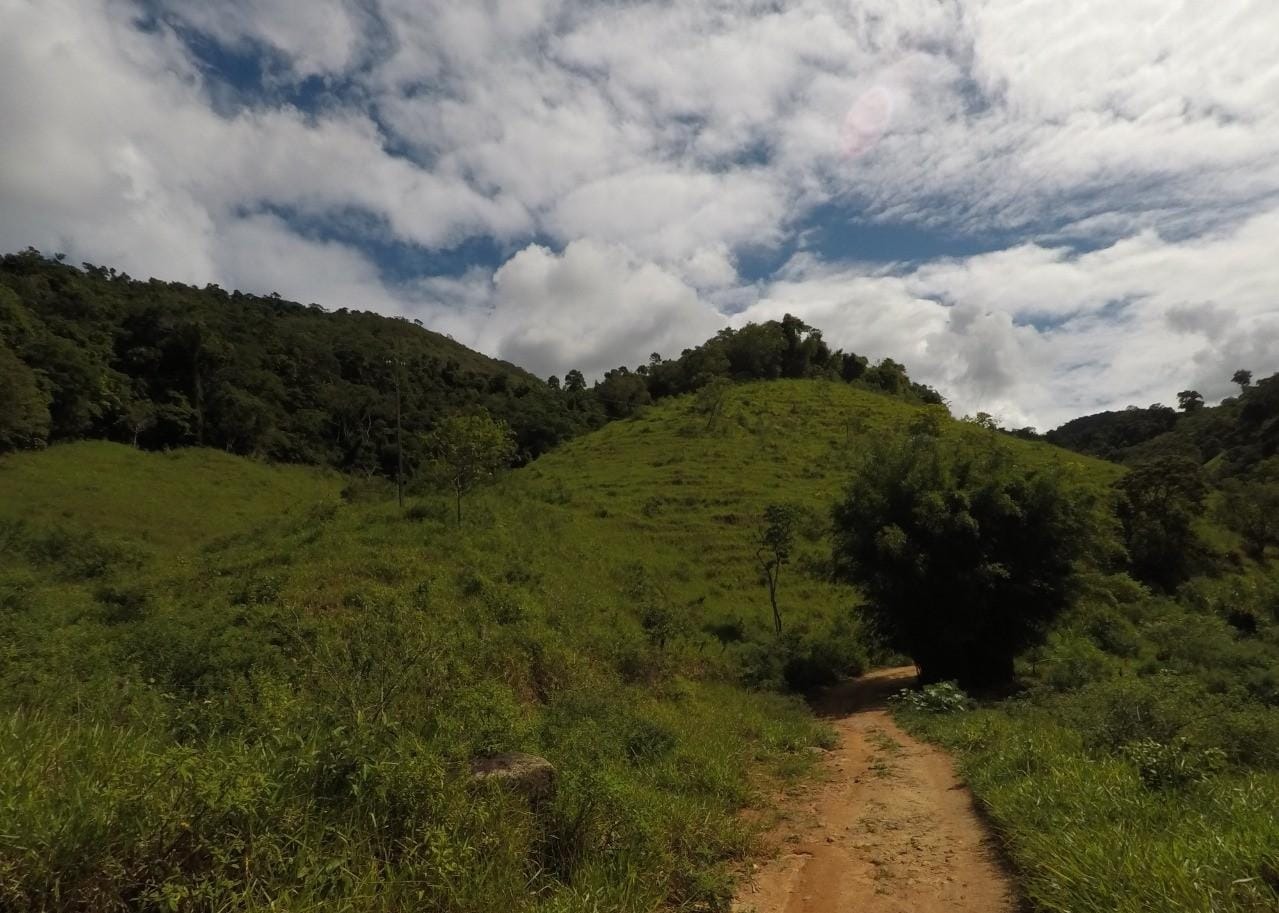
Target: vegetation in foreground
pixel 233 686
pixel 1139 770
pixel 279 708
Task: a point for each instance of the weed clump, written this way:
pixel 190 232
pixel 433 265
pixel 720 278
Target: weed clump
pixel 937 698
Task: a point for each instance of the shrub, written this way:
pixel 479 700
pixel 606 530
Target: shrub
pixel 647 740
pixel 939 697
pixel 122 603
pixel 1070 661
pixel 258 590
pixel 822 655
pixel 436 511
pixel 1170 766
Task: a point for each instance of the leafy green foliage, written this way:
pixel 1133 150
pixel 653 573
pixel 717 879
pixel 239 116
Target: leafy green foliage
pixel 94 353
pixel 1229 439
pixel 774 542
pixel 24 406
pixel 966 553
pixel 468 449
pixel 939 697
pixel 1159 502
pixel 1172 766
pixel 1250 507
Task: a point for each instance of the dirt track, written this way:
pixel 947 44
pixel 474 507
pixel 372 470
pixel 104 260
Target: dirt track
pixel 891 830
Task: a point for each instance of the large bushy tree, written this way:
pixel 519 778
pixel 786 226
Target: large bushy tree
pixel 1250 507
pixel 964 553
pixel 24 406
pixel 1157 504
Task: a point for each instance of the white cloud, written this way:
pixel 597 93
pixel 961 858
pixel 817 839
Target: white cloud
pixel 591 308
pixel 647 145
pixel 1038 335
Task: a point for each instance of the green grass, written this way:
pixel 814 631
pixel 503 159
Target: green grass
pixel 1087 835
pixel 226 687
pixel 169 503
pixel 1139 771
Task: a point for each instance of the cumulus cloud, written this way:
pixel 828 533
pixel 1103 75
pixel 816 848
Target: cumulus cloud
pixel 591 308
pixel 1037 335
pixel 629 158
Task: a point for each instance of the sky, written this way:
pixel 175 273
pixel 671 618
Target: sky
pixel 1043 209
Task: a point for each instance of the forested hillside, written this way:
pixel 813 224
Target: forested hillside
pixel 1234 436
pixel 92 353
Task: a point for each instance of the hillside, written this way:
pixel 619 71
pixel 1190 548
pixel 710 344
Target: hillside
pixel 276 701
pixel 95 354
pixel 299 667
pixel 92 353
pixel 1232 437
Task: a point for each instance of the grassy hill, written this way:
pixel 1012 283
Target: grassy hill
pixel 228 685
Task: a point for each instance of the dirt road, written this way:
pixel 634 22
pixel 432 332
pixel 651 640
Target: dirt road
pixel 891 830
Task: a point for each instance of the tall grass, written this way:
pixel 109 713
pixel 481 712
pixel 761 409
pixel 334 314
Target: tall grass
pixel 1089 835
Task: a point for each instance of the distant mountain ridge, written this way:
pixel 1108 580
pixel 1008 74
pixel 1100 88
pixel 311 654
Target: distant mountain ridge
pixel 1234 436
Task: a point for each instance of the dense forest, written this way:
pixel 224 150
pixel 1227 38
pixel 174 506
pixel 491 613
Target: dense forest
pixel 94 353
pixel 1234 437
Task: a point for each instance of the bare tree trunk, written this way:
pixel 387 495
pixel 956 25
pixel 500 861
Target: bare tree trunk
pixel 772 597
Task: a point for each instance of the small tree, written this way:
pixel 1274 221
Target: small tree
pixel 773 545
pixel 470 448
pixel 710 398
pixel 1242 378
pixel 138 416
pixel 964 555
pixel 1190 400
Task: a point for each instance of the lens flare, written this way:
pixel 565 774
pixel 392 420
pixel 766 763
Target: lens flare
pixel 866 121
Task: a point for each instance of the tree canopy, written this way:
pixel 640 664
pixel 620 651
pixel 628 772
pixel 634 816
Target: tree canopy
pixel 94 353
pixel 964 554
pixel 470 448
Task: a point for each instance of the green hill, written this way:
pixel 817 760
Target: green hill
pixel 95 354
pixel 304 673
pixel 92 353
pixel 228 685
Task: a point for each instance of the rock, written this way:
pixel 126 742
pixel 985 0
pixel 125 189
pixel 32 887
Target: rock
pixel 524 773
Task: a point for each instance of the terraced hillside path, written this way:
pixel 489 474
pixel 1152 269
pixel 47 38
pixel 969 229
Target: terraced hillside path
pixel 890 830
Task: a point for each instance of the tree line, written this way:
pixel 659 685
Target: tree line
pixel 89 352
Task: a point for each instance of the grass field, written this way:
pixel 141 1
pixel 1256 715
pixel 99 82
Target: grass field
pixel 231 686
pixel 227 686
